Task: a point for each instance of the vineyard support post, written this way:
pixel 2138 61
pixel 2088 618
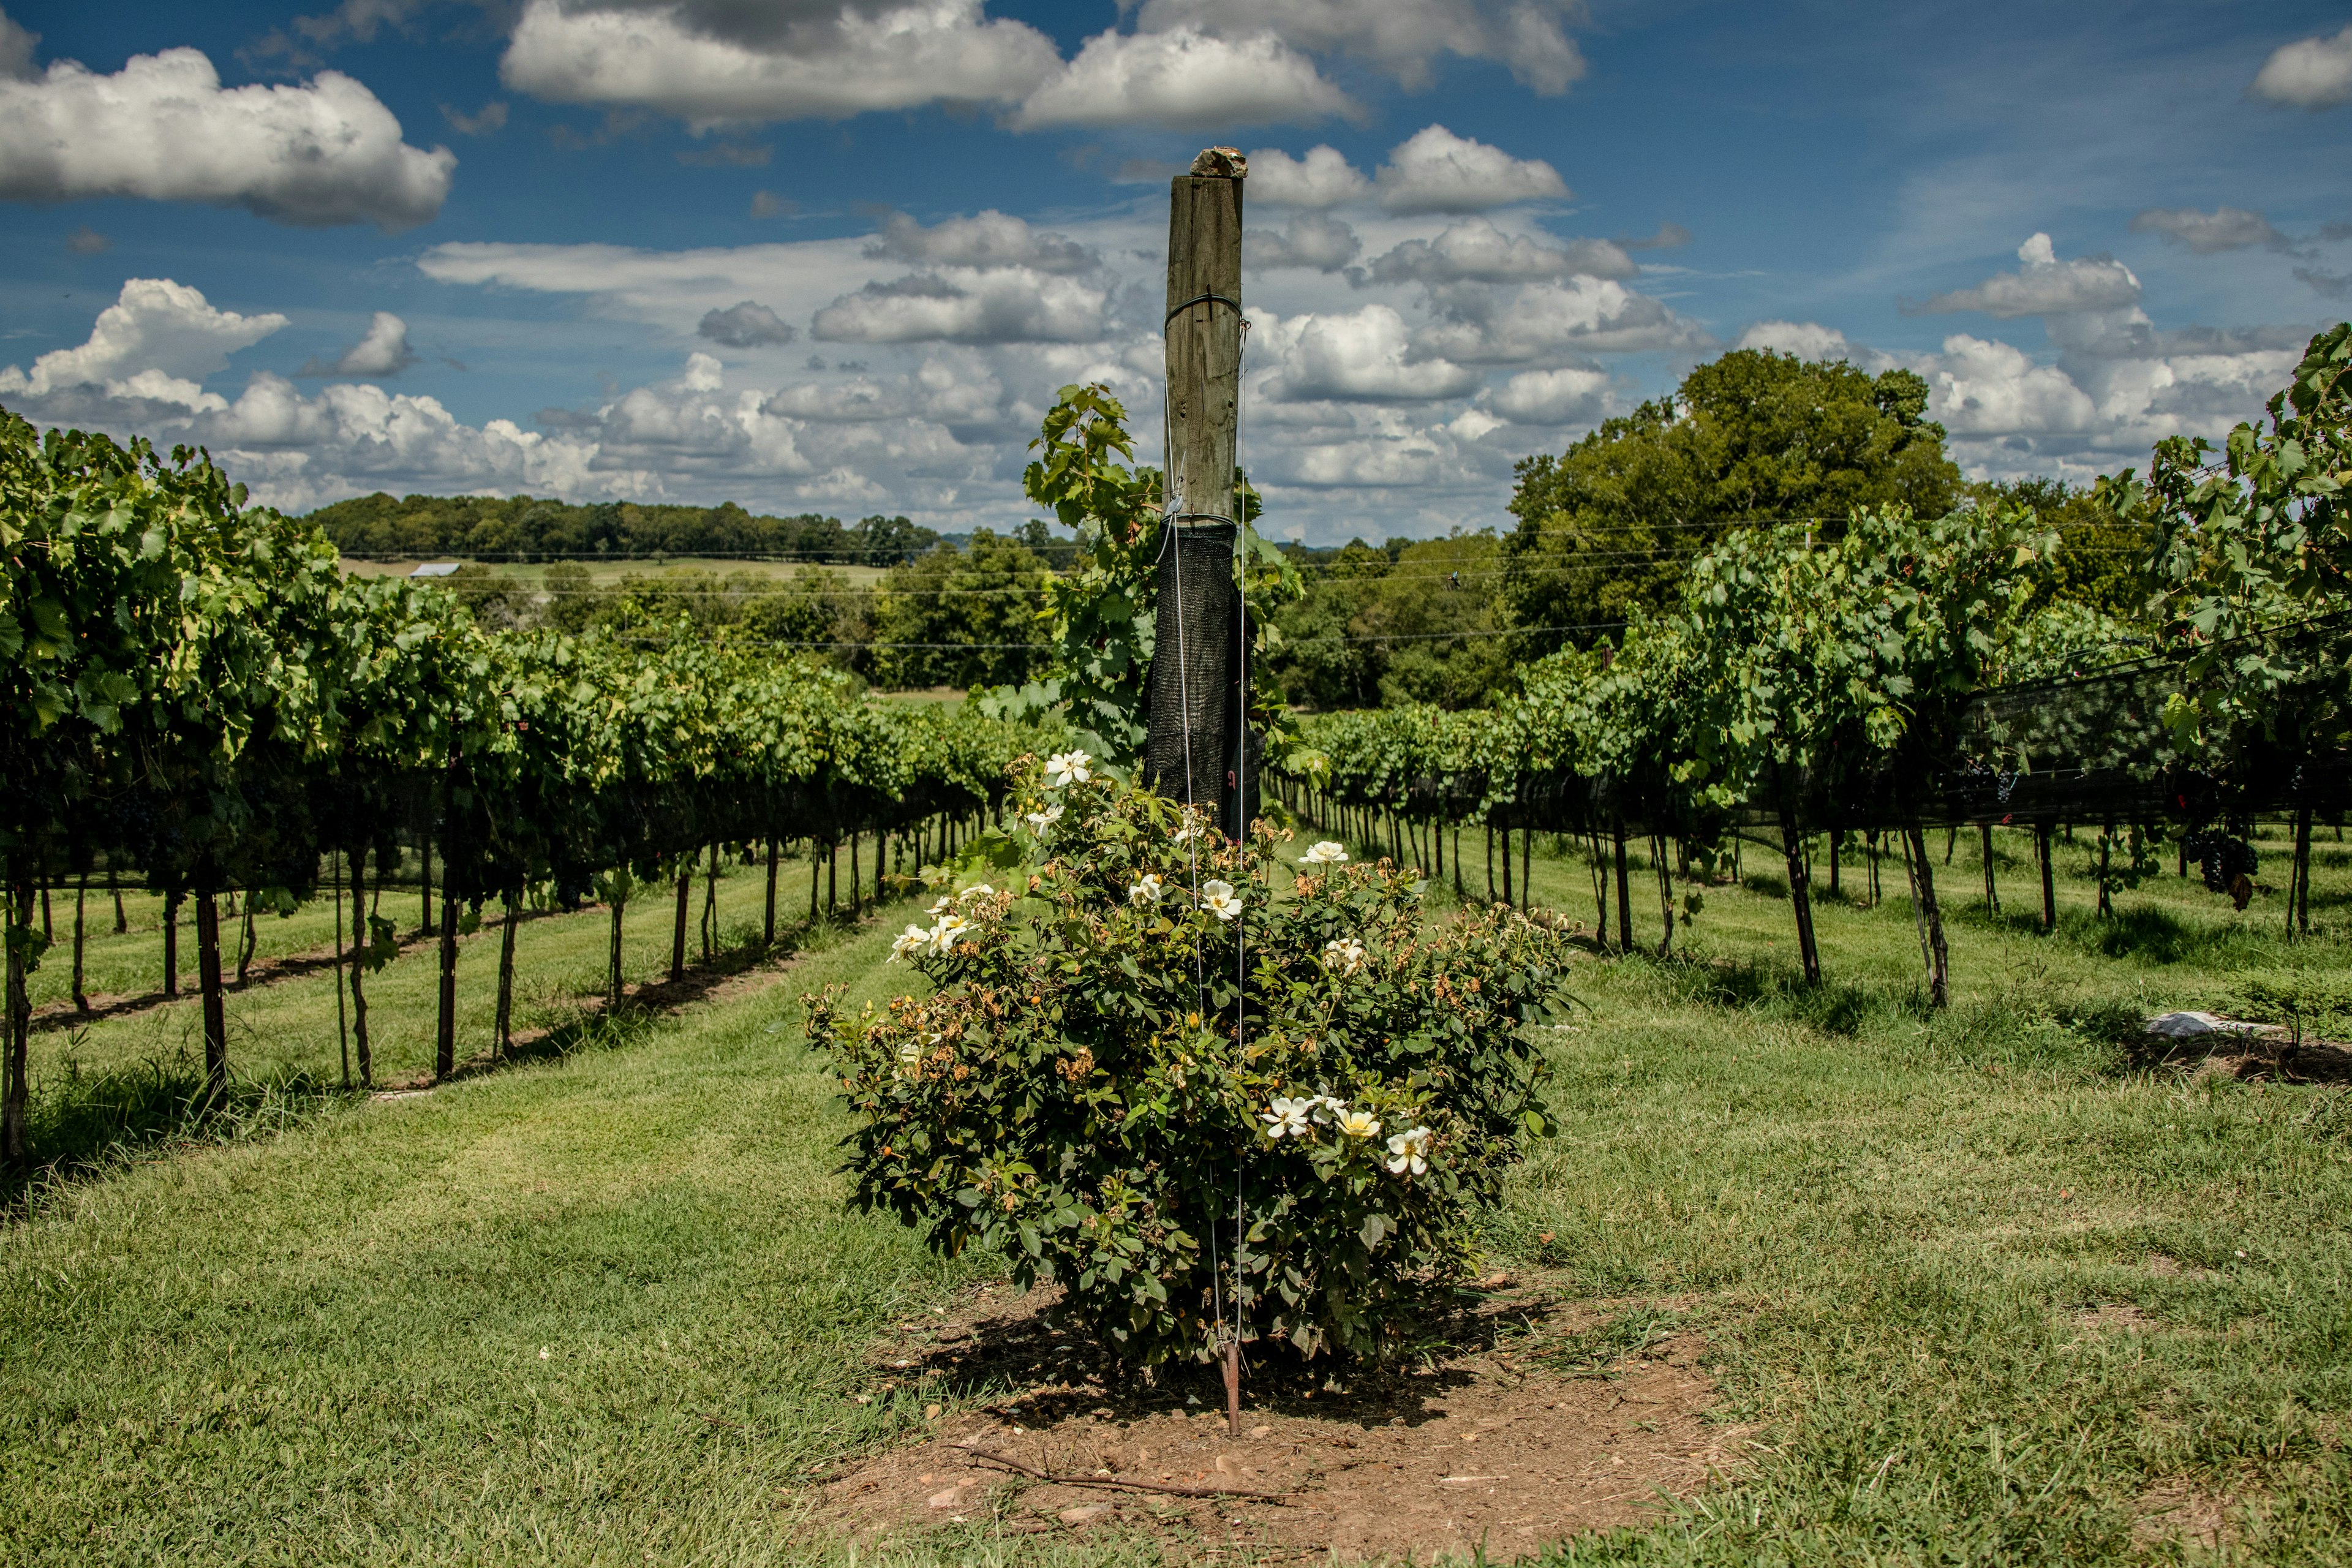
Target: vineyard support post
pixel 1792 852
pixel 445 1023
pixel 2049 881
pixel 81 897
pixel 2300 902
pixel 1527 867
pixel 1506 870
pixel 678 936
pixel 172 945
pixel 1837 845
pixel 362 934
pixel 2106 842
pixel 1195 732
pixel 1665 894
pixel 343 1019
pixel 121 916
pixel 1624 897
pixel 1992 893
pixel 613 965
pixel 506 977
pixel 13 1094
pixel 424 868
pixel 857 880
pixel 208 980
pixel 771 927
pixel 711 906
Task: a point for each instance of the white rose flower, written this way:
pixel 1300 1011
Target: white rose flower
pixel 1327 853
pixel 942 907
pixel 1287 1116
pixel 910 942
pixel 1410 1152
pixel 1218 899
pixel 1147 892
pixel 977 890
pixel 1067 768
pixel 1039 821
pixel 943 935
pixel 910 1052
pixel 1345 955
pixel 1359 1124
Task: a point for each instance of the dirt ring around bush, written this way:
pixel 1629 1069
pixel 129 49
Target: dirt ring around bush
pixel 1526 1418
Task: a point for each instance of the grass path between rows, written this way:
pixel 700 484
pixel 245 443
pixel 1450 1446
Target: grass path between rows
pixel 1994 1291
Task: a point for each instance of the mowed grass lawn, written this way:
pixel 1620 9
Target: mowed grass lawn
pixel 1989 1288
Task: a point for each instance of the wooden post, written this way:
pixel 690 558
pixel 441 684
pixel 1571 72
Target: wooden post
pixel 1624 897
pixel 678 937
pixel 342 1022
pixel 81 897
pixel 506 978
pixel 208 980
pixel 1204 333
pixel 15 1096
pixel 363 934
pixel 1992 893
pixel 2049 883
pixel 772 892
pixel 171 945
pixel 1195 726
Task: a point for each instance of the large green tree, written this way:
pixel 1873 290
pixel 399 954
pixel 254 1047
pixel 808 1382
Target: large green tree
pixel 1755 437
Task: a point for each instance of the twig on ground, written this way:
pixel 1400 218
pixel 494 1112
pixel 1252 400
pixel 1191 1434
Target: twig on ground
pixel 1114 1482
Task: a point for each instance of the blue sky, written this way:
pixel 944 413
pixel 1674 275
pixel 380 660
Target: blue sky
pixel 758 249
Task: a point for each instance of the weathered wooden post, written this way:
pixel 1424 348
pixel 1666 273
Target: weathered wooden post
pixel 1196 742
pixel 1193 747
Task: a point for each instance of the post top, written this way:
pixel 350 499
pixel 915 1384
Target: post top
pixel 1220 162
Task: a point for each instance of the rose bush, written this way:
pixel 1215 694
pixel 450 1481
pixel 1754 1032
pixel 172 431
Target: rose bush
pixel 1135 1024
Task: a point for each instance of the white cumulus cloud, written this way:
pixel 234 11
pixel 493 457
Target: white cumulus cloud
pixel 2310 73
pixel 1323 178
pixel 712 64
pixel 1364 355
pixel 383 351
pixel 1476 251
pixel 1434 170
pixel 164 128
pixel 1185 80
pixel 2045 286
pixel 1312 239
pixel 1557 320
pixel 987 238
pixel 1404 38
pixel 158 341
pixel 1004 305
pixel 1566 397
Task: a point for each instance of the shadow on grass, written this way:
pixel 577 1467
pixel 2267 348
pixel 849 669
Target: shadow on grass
pixel 79 1123
pixel 1778 990
pixel 83 1124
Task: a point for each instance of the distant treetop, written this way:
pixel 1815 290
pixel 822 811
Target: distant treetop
pixel 526 528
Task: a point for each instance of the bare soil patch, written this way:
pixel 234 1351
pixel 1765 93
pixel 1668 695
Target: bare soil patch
pixel 1524 1418
pixel 2181 1510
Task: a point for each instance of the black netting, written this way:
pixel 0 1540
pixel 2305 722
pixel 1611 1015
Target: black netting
pixel 1194 671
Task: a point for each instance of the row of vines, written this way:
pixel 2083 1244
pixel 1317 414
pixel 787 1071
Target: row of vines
pixel 194 688
pixel 1808 684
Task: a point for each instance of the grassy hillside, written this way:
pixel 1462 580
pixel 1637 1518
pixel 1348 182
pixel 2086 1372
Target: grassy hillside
pixel 1993 1287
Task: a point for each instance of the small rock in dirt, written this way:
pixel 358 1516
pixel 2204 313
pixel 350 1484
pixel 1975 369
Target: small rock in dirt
pixel 1261 1431
pixel 1085 1513
pixel 1493 1281
pixel 931 1412
pixel 949 1498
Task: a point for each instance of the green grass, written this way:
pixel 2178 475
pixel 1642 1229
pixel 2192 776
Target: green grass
pixel 320 1339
